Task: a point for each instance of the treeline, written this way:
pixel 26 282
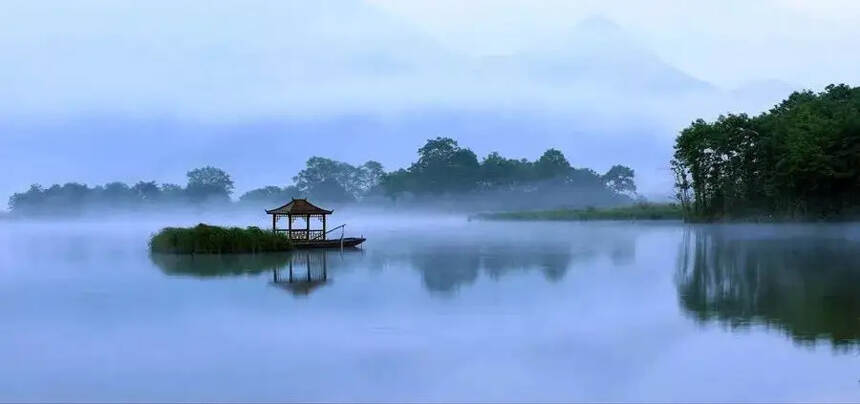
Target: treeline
pixel 443 170
pixel 800 160
pixel 325 180
pixel 446 170
pixel 445 167
pixel 205 186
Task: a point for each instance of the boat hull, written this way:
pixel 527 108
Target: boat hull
pixel 348 242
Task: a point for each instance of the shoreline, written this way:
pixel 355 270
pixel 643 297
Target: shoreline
pixel 642 211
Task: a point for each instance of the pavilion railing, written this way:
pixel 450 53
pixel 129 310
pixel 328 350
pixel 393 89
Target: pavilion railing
pixel 305 234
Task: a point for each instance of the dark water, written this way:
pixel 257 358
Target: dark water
pixel 437 309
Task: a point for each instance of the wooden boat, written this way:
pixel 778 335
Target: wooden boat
pixel 307 237
pixel 346 242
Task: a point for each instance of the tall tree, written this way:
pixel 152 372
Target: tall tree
pixel 208 183
pixel 619 178
pixel 368 177
pixel 443 166
pixel 552 164
pixel 334 180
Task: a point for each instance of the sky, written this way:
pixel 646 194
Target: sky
pixel 730 42
pixel 98 90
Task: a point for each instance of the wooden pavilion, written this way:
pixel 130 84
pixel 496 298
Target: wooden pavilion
pixel 300 208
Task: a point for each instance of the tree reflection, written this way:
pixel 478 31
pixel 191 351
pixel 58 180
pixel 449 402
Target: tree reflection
pixel 805 286
pixel 444 268
pixel 216 265
pixel 444 271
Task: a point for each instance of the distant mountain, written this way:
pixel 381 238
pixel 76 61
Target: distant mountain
pixel 596 53
pixel 354 38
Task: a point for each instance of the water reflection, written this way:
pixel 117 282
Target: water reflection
pixel 213 265
pixel 305 272
pixel 299 272
pixel 804 285
pixel 445 263
pixel 444 267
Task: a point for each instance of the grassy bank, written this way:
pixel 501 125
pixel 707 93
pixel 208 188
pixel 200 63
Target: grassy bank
pixel 205 239
pixel 642 211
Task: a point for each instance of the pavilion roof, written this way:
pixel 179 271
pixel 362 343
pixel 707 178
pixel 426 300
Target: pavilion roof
pixel 300 287
pixel 299 207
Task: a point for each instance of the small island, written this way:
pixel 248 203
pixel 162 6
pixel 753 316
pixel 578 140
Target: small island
pixel 206 239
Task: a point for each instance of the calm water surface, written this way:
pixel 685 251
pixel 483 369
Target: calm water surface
pixel 436 309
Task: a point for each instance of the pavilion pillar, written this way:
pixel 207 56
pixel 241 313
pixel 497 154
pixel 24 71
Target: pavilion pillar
pixel 308 227
pixel 290 227
pixel 274 220
pixel 325 267
pixel 323 217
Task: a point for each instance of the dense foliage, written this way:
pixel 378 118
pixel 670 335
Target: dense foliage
pixel 443 170
pixel 800 160
pixel 204 239
pixel 325 180
pixel 443 167
pixel 446 169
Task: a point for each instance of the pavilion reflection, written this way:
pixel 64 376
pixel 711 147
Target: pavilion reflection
pixel 805 286
pixel 304 272
pixel 299 272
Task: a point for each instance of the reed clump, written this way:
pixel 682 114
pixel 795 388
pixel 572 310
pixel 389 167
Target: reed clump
pixel 206 239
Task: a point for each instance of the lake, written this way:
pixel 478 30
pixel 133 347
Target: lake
pixel 436 308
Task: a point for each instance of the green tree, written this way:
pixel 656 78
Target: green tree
pixel 116 194
pixel 326 178
pixel 270 195
pixel 584 178
pixel 619 178
pixel 443 166
pixel 172 192
pixel 146 191
pixel 368 177
pixel 208 183
pixel 329 190
pixel 552 164
pixel 397 183
pixel 501 172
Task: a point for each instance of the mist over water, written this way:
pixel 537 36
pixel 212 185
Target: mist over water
pixel 434 307
pixel 408 118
